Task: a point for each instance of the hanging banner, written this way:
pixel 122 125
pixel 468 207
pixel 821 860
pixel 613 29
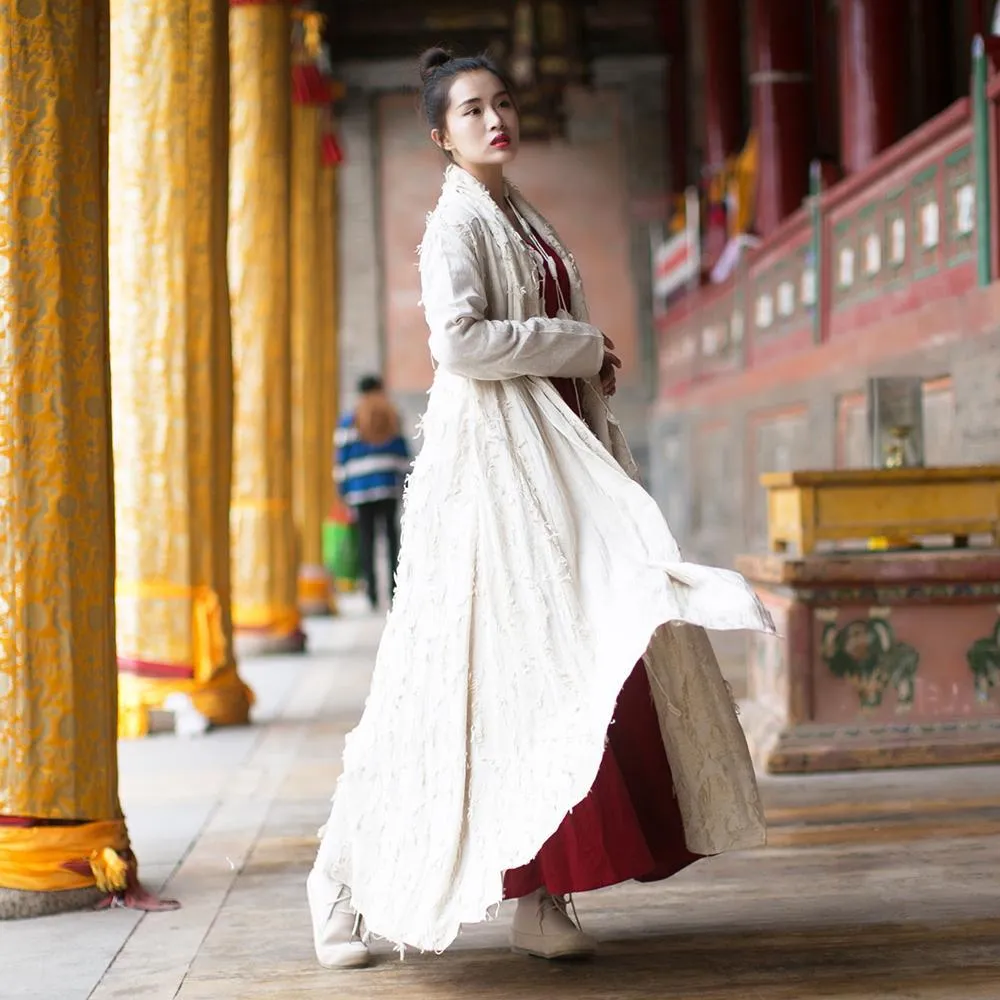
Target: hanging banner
pixel 677 261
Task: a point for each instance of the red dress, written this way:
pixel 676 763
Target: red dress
pixel 629 825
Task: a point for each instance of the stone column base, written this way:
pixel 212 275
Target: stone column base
pixel 316 609
pixel 263 644
pixel 17 904
pixel 184 706
pixel 315 593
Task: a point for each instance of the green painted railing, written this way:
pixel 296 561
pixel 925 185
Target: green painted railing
pixel 981 146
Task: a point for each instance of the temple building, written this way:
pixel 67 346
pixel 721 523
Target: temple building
pixel 756 106
pixel 787 217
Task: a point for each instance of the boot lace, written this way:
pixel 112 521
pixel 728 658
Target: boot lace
pixel 564 905
pixel 358 933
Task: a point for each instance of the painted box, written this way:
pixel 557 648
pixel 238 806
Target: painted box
pixel 883 660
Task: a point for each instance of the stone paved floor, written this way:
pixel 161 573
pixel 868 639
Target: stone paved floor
pixel 882 885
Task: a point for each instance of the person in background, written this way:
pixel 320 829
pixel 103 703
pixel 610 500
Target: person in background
pixel 372 459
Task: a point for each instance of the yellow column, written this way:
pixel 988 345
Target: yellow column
pixel 309 449
pixel 330 279
pixel 171 360
pixel 264 557
pixel 58 714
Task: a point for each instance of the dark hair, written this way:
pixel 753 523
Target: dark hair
pixel 370 383
pixel 438 69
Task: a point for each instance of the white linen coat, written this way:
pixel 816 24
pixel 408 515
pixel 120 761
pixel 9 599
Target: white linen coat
pixel 534 574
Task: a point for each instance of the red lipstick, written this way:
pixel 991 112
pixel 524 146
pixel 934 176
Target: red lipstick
pixel 501 140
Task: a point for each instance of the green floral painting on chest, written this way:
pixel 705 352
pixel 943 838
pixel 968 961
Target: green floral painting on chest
pixel 867 654
pixel 984 662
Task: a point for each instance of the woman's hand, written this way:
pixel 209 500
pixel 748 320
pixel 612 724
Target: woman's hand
pixel 607 373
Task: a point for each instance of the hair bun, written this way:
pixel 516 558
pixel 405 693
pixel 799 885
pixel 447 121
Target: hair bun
pixel 431 60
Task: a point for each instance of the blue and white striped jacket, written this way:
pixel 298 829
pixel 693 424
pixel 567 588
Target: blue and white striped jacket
pixel 366 472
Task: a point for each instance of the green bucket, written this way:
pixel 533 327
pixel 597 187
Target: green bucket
pixel 340 553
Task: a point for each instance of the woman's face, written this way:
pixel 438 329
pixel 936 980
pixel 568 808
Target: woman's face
pixel 481 125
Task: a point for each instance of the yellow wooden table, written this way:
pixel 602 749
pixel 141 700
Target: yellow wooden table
pixel 804 508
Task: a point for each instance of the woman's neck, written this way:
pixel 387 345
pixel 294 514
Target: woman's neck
pixel 490 176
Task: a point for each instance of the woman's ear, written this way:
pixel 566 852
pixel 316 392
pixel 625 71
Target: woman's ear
pixel 440 139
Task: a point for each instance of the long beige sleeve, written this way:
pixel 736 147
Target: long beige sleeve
pixel 464 342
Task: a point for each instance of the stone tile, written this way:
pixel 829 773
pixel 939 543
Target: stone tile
pixel 856 964
pixel 229 823
pixel 159 953
pixel 170 788
pixel 63 957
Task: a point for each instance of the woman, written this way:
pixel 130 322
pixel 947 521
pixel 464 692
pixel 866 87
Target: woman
pixel 372 459
pixel 540 597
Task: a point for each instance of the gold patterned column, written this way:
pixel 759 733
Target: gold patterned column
pixel 264 553
pixel 310 95
pixel 58 710
pixel 171 360
pixel 330 323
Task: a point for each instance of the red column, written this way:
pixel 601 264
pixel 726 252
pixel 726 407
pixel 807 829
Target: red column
pixel 723 80
pixel 781 108
pixel 935 25
pixel 721 34
pixel 872 36
pixel 979 17
pixel 825 78
pixel 675 42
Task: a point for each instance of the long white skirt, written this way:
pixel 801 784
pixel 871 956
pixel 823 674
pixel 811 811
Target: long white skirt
pixel 533 575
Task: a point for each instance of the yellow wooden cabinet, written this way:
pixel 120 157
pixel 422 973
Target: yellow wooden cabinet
pixel 805 508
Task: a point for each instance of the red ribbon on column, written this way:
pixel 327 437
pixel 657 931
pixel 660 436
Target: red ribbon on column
pixel 330 150
pixel 309 86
